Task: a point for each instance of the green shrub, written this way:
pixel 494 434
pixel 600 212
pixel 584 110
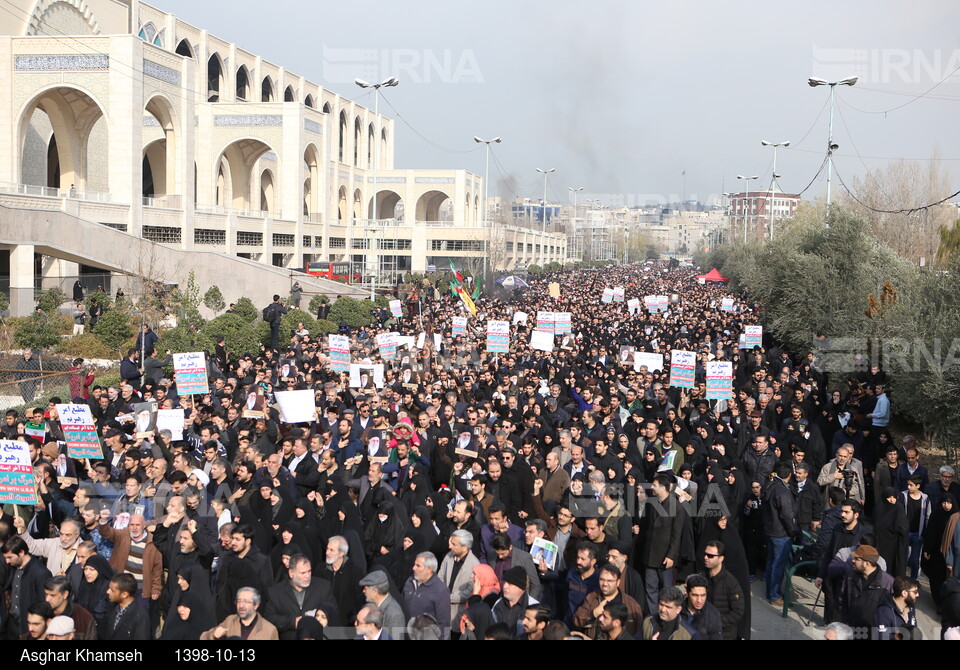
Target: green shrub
pixel 85 346
pixel 51 299
pixel 213 299
pixel 103 299
pixel 38 331
pixel 246 310
pixel 324 327
pixel 113 330
pixel 356 313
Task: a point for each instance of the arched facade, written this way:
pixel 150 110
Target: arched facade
pixel 236 163
pixel 54 139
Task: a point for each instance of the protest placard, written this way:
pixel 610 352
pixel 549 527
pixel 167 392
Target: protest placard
pixel 16 474
pixel 172 420
pixel 719 380
pixel 607 296
pixel 339 353
pixel 554 289
pixel 651 361
pixel 545 549
pixel 633 304
pixel 80 431
pixel 726 304
pixel 545 321
pixel 683 368
pixel 459 325
pixel 619 293
pixel 563 323
pixel 190 373
pixel 752 336
pixel 542 340
pixel 519 317
pixel 396 309
pixel 387 342
pixel 498 336
pixel 296 406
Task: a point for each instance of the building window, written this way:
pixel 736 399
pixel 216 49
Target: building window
pixel 249 239
pixel 456 245
pixel 308 240
pixel 207 236
pixel 338 243
pixel 318 241
pixel 283 240
pixel 162 234
pixel 510 246
pixel 388 245
pixel 360 243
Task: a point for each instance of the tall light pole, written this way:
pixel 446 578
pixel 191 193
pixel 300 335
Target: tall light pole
pixel 543 235
pixel 486 194
pixel 392 81
pixel 575 192
pixel 774 177
pixel 746 180
pixel 831 147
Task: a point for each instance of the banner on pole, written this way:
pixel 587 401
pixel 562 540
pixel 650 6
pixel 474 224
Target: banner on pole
pixel 683 368
pixel 190 373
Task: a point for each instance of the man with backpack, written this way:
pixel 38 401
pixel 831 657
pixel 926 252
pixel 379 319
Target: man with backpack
pixel 272 314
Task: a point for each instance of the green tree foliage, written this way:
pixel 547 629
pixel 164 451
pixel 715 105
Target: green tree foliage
pixel 534 270
pixel 213 299
pixel 51 299
pixel 103 299
pixel 815 279
pixel 113 330
pixel 247 310
pixel 324 327
pixel 949 242
pixel 918 343
pixel 356 313
pixel 38 332
pixel 4 302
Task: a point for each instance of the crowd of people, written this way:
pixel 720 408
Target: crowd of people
pixel 470 494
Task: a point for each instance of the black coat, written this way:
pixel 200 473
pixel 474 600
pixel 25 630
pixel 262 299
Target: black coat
pixel 809 502
pixel 661 533
pixel 35 574
pixel 283 610
pixel 727 596
pixel 134 624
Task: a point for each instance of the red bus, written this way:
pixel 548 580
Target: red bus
pixel 339 271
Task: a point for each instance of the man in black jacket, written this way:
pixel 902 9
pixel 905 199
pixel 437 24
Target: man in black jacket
pixel 864 589
pixel 723 590
pixel 272 314
pixel 291 599
pixel 243 566
pixel 780 527
pixel 126 620
pixel 661 532
pixel 809 498
pixel 25 583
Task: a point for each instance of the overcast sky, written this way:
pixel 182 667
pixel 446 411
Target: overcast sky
pixel 622 97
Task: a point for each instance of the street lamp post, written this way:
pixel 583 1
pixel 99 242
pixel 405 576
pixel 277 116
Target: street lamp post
pixel 774 177
pixel 575 192
pixel 746 211
pixel 543 234
pixel 486 194
pixel 392 81
pixel 831 147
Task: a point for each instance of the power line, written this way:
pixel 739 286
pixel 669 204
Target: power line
pixel 908 102
pixel 857 151
pixel 910 210
pixel 812 125
pixel 424 137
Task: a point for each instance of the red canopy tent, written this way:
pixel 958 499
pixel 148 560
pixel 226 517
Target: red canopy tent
pixel 713 275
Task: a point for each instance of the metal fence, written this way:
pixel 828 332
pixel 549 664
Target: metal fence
pixel 49 377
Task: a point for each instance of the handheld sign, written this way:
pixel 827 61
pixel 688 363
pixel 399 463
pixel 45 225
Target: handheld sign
pixel 16 474
pixel 563 323
pixel 726 304
pixel 554 289
pixel 388 346
pixel 651 361
pixel 607 297
pixel 396 309
pixel 519 317
pixel 752 336
pixel 683 368
pixel 619 293
pixel 190 373
pixel 296 406
pixel 498 336
pixel 719 380
pixel 80 431
pixel 542 340
pixel 172 420
pixel 459 325
pixel 546 321
pixel 339 353
pixel 633 304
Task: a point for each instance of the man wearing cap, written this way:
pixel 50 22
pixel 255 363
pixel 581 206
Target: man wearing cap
pixel 376 589
pixel 865 589
pixel 60 628
pixel 514 601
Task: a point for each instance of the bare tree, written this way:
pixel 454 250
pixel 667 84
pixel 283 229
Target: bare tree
pixel 903 185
